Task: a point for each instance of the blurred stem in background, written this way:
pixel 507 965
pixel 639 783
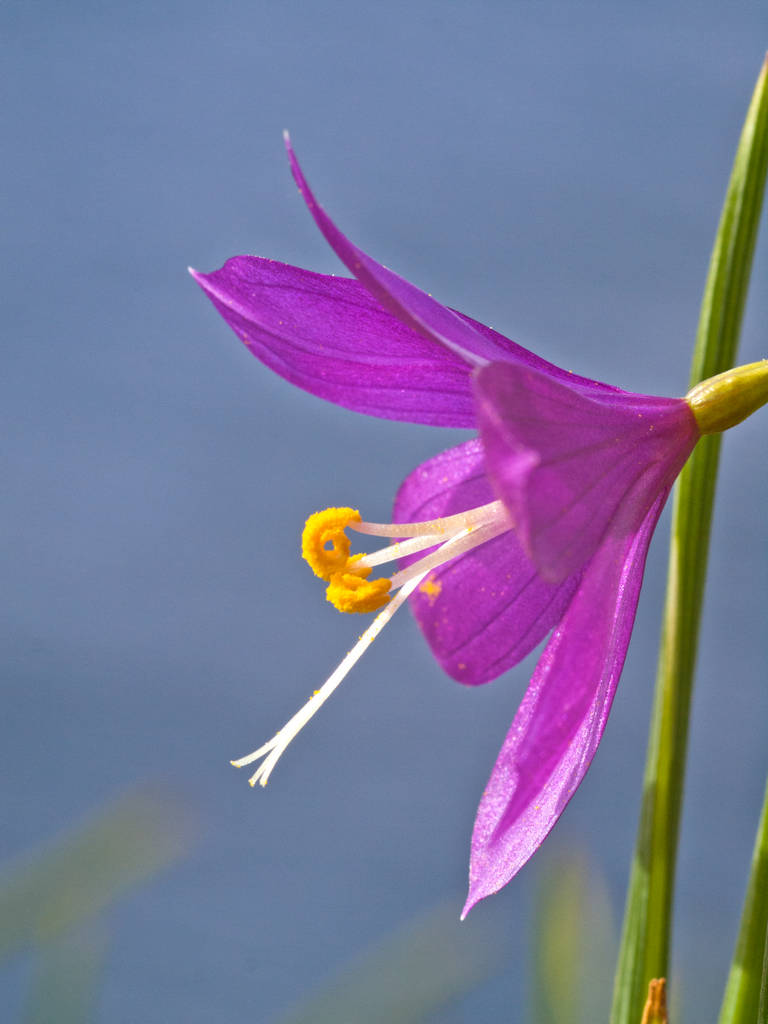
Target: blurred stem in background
pixel 50 902
pixel 65 983
pixel 644 952
pixel 574 943
pixel 423 967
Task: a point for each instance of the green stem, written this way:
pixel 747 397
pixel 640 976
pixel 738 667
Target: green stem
pixel 741 1002
pixel 762 1013
pixel 644 952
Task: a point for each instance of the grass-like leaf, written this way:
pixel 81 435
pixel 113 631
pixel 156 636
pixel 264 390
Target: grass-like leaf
pixel 742 999
pixel 644 952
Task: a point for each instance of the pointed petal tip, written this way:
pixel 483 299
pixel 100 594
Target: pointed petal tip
pixel 474 896
pixel 201 279
pixel 293 160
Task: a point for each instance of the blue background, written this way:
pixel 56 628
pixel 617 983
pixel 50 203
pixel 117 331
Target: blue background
pixel 554 169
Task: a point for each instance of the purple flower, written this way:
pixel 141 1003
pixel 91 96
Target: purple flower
pixel 541 524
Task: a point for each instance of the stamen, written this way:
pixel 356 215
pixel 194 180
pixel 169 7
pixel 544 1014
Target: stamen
pixel 273 750
pixel 325 545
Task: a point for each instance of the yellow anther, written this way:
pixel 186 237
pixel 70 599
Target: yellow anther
pixel 324 545
pixel 352 591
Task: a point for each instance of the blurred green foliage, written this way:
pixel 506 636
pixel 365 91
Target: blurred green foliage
pixel 51 900
pixel 574 944
pixel 422 967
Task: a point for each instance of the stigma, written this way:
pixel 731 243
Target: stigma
pixel 327 549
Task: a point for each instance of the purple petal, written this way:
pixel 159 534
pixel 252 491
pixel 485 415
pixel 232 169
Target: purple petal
pixel 485 610
pixel 336 339
pixel 329 336
pixel 563 460
pixel 561 720
pixel 472 341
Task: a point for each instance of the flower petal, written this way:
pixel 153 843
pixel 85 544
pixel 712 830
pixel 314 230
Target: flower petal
pixel 561 719
pixel 336 339
pixel 329 336
pixel 482 612
pixel 563 460
pixel 474 342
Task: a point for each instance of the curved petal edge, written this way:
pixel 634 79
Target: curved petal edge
pixel 561 719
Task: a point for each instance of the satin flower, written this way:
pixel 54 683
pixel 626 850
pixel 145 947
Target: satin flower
pixel 540 524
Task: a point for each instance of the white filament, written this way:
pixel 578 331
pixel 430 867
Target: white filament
pixel 399 549
pixel 447 524
pixel 463 541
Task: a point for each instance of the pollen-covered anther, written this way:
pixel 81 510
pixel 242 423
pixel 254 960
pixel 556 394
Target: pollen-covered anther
pixel 324 545
pixel 352 590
